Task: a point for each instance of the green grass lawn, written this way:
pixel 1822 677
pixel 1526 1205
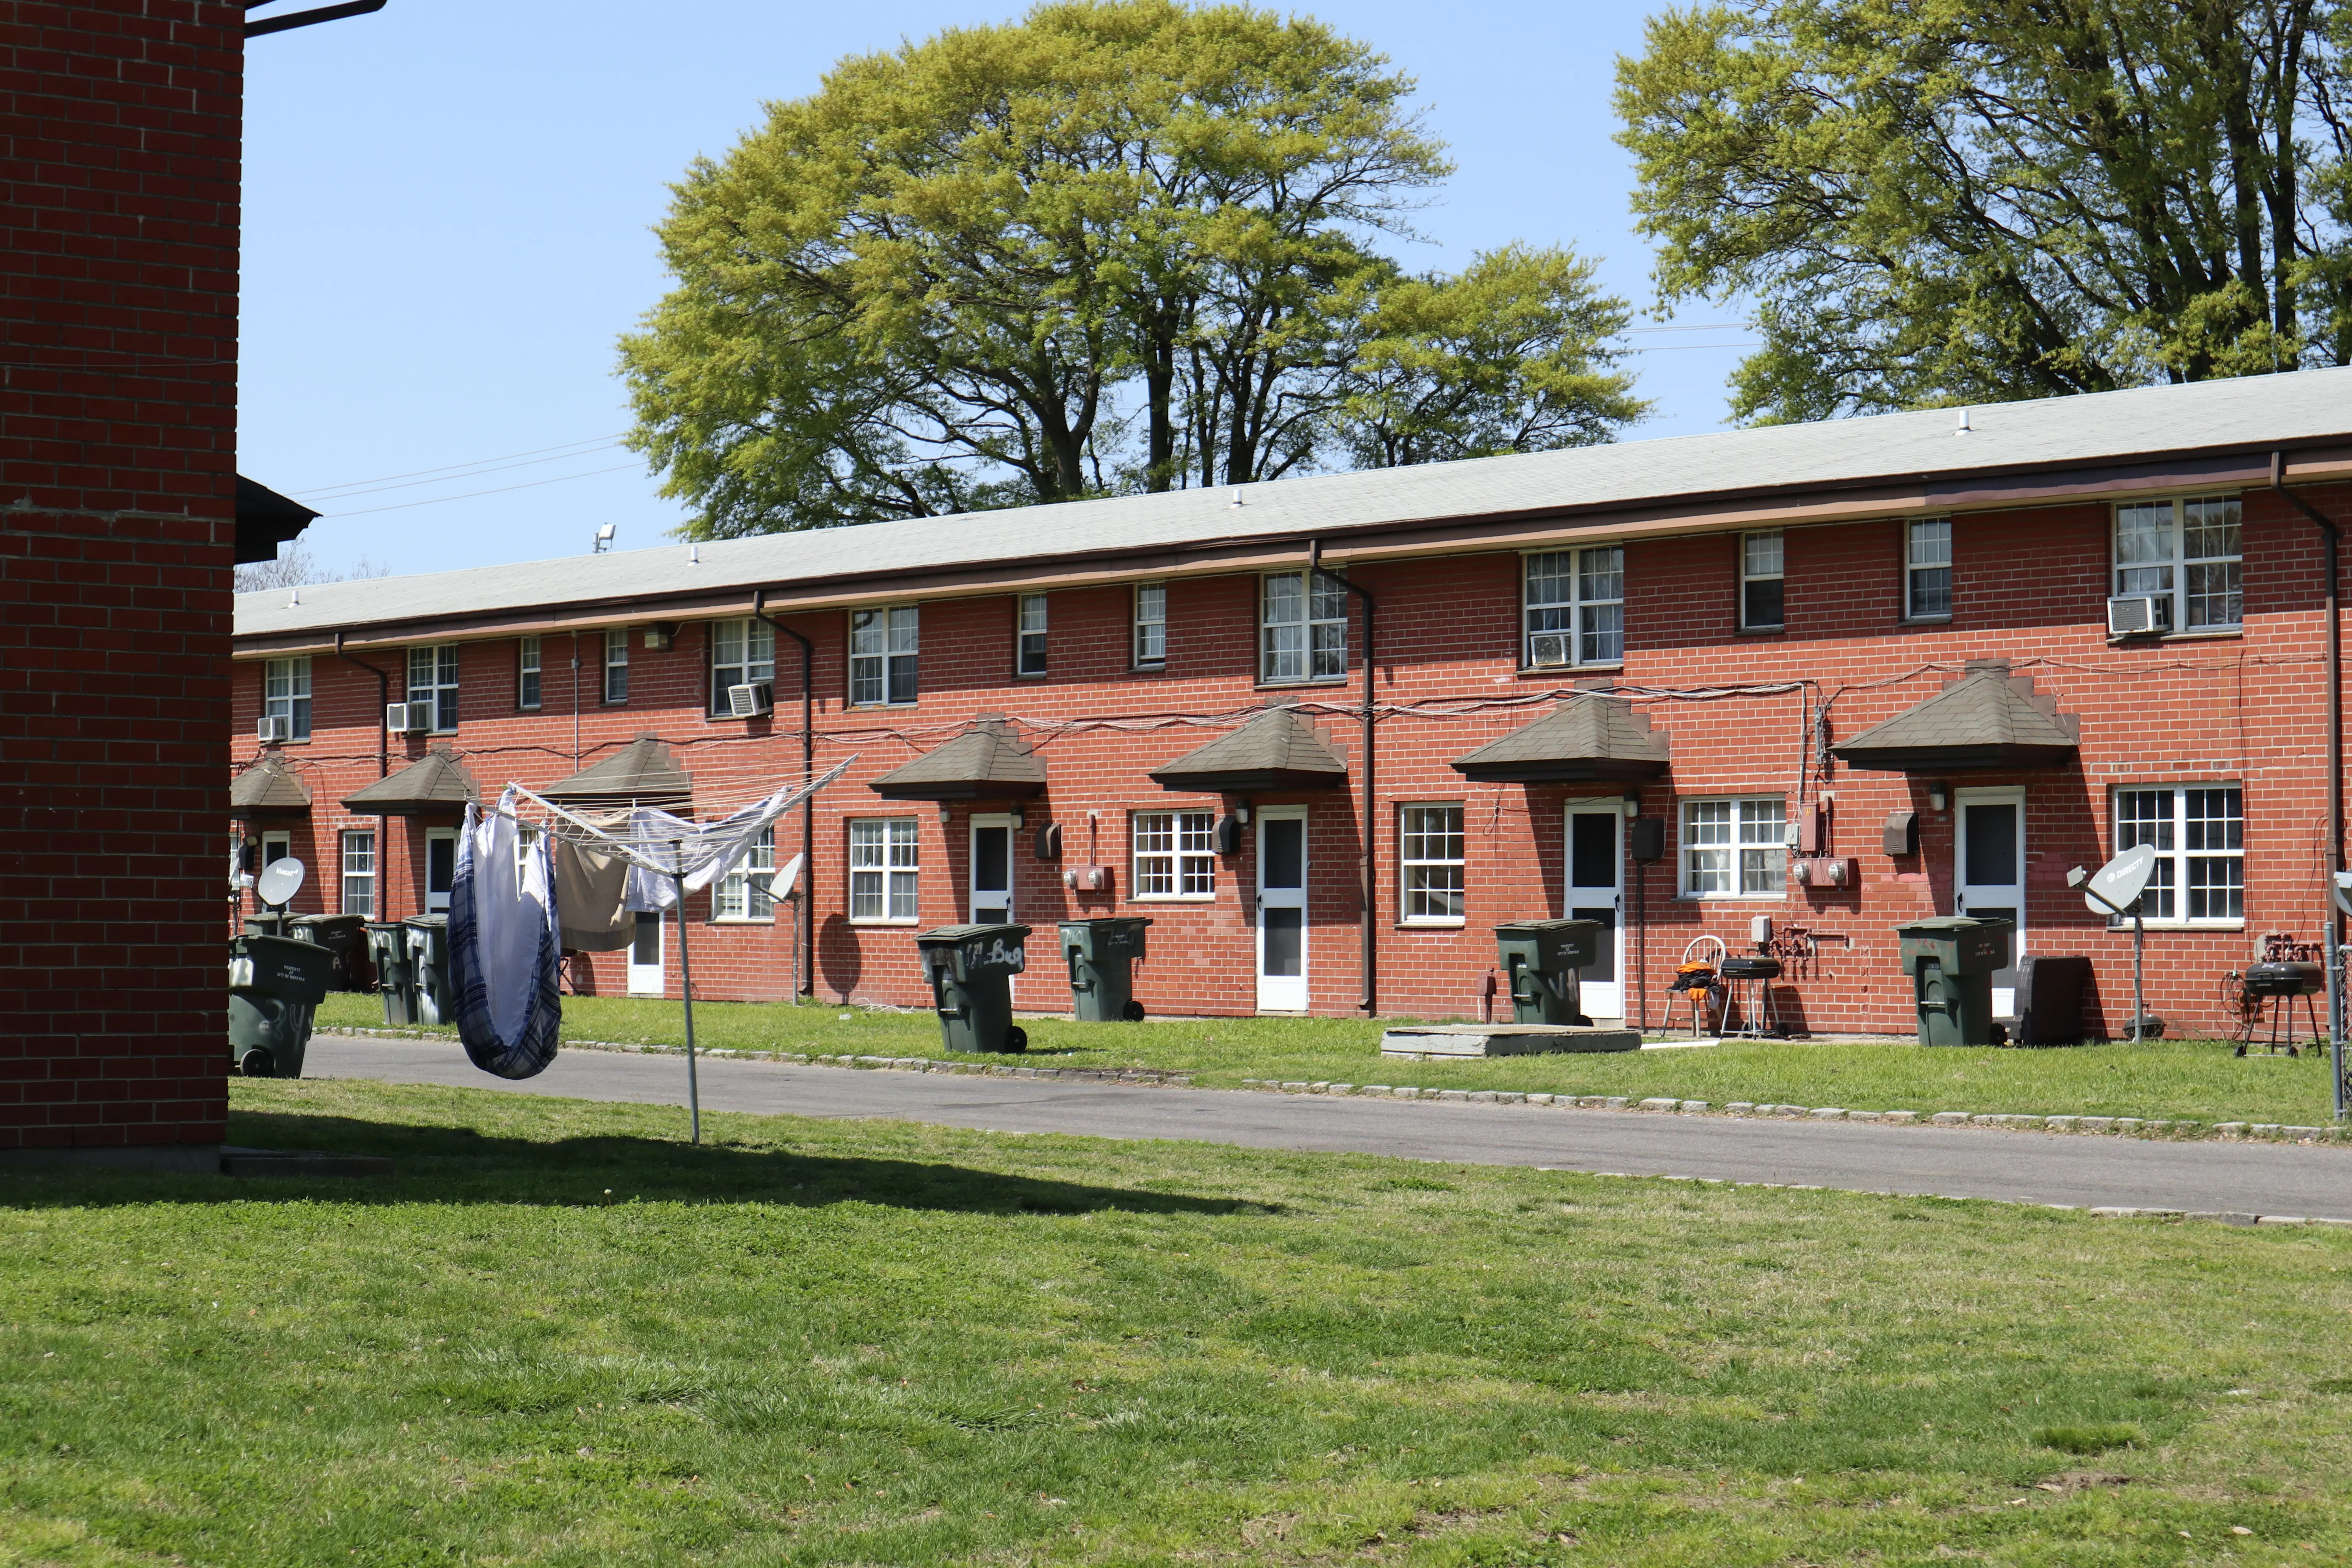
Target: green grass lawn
pixel 2172 1080
pixel 558 1335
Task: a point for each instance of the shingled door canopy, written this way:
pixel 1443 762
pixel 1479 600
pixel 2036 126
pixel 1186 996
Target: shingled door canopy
pixel 269 788
pixel 988 762
pixel 1276 752
pixel 1988 719
pixel 642 772
pixel 1585 740
pixel 432 785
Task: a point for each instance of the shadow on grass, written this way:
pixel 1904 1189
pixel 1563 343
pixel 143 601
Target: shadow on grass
pixel 460 1165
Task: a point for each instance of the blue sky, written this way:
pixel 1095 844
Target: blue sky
pixel 447 211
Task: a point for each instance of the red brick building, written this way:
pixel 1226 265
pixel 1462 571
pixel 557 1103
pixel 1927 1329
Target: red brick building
pixel 1709 632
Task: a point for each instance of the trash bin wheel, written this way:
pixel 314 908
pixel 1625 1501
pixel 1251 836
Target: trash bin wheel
pixel 257 1063
pixel 1016 1038
pixel 1132 1011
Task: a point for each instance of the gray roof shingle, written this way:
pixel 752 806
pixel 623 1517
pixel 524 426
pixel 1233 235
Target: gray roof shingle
pixel 1587 738
pixel 436 781
pixel 642 772
pixel 1276 750
pixel 988 762
pixel 269 788
pixel 1987 718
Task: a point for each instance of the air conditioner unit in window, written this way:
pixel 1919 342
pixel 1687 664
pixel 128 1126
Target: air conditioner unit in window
pixel 750 700
pixel 2137 614
pixel 1547 649
pixel 274 727
pixel 408 717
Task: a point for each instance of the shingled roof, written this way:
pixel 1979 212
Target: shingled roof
pixel 1987 718
pixel 1276 750
pixel 642 772
pixel 269 788
pixel 433 783
pixel 987 762
pixel 1587 738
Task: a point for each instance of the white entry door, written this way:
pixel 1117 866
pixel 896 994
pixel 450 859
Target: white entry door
pixel 1595 883
pixel 1282 908
pixel 1989 880
pixel 645 957
pixel 991 871
pixel 440 869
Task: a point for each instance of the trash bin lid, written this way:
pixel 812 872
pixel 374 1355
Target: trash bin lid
pixel 1538 928
pixel 1944 925
pixel 330 922
pixel 1106 922
pixel 955 936
pixel 426 921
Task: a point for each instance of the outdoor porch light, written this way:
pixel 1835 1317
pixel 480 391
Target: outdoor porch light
pixel 1937 795
pixel 1633 803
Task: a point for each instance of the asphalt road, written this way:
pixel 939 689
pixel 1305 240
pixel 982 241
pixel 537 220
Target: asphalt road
pixel 2080 1170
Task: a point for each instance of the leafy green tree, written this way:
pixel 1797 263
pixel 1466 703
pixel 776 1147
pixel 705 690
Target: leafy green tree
pixel 1931 202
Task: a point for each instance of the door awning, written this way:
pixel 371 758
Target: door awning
pixel 642 772
pixel 1988 719
pixel 1276 752
pixel 269 788
pixel 1586 738
pixel 988 762
pixel 432 785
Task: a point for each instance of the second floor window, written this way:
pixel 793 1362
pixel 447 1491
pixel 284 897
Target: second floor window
pixel 741 652
pixel 1763 591
pixel 1029 636
pixel 1303 633
pixel 2187 556
pixel 1151 626
pixel 1575 603
pixel 1927 569
pixel 433 679
pixel 616 666
pixel 883 646
pixel 286 694
pixel 1736 848
pixel 527 673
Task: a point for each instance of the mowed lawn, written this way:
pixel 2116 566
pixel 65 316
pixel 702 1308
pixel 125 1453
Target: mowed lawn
pixel 560 1335
pixel 2172 1080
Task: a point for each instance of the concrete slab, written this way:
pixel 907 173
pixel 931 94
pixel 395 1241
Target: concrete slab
pixel 1448 1041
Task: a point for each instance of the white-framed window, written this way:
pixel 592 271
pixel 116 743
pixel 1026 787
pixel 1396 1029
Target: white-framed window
pixel 359 872
pixel 742 893
pixel 1927 569
pixel 616 666
pixel 1429 864
pixel 1029 636
pixel 1763 588
pixel 882 870
pixel 883 647
pixel 2198 832
pixel 1303 633
pixel 1175 854
pixel 1151 626
pixel 528 685
pixel 1736 848
pixel 2188 553
pixel 1574 605
pixel 741 652
pixel 432 678
pixel 286 694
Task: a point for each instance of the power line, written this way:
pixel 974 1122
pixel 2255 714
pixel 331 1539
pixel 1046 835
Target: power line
pixel 470 495
pixel 350 491
pixel 451 468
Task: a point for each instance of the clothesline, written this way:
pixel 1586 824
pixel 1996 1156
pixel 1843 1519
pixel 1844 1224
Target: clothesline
pixel 671 846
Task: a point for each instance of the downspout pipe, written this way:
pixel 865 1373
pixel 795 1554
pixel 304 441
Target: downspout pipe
pixel 383 763
pixel 808 806
pixel 2331 541
pixel 1368 960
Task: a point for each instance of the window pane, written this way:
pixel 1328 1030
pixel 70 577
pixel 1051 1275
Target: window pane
pixel 1600 573
pixel 1284 599
pixel 2144 817
pixel 2210 530
pixel 2214 597
pixel 1931 541
pixel 1151 623
pixel 1760 554
pixel 1760 604
pixel 1931 592
pixel 1549 578
pixel 902 678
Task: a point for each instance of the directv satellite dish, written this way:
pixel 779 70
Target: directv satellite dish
pixel 280 882
pixel 780 886
pixel 2344 891
pixel 2117 885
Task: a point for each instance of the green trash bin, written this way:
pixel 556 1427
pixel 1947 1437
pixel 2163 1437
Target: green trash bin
pixel 395 974
pixel 1101 955
pixel 428 956
pixel 275 985
pixel 1951 961
pixel 345 936
pixel 1541 959
pixel 971 970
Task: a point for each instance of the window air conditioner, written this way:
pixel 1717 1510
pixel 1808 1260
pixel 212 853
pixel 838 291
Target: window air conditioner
pixel 2135 615
pixel 1547 649
pixel 408 717
pixel 274 727
pixel 750 700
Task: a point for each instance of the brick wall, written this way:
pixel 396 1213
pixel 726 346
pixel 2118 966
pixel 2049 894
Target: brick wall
pixel 118 299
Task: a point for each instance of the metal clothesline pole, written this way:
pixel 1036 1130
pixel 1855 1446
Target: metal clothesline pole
pixel 686 983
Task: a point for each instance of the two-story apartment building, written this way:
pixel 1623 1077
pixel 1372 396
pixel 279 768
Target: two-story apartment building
pixel 1842 675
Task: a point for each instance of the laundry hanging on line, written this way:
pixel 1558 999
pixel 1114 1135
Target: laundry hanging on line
pixel 591 889
pixel 505 945
pixel 702 851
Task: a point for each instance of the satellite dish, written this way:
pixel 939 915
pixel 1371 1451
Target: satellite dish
pixel 2117 885
pixel 780 886
pixel 2344 891
pixel 280 882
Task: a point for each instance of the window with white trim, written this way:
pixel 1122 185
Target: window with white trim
pixel 883 646
pixel 1029 636
pixel 2198 832
pixel 359 872
pixel 1303 634
pixel 2187 553
pixel 528 684
pixel 742 894
pixel 1574 605
pixel 616 666
pixel 882 870
pixel 1430 865
pixel 286 694
pixel 1175 854
pixel 1763 589
pixel 1736 848
pixel 742 653
pixel 1927 569
pixel 1151 626
pixel 432 678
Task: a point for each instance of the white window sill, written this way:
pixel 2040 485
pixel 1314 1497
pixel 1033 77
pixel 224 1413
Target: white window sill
pixel 1606 667
pixel 1432 923
pixel 2125 927
pixel 860 707
pixel 743 920
pixel 883 921
pixel 1730 898
pixel 1171 898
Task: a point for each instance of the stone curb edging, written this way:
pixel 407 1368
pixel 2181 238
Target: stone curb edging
pixel 2121 1126
pixel 2266 1221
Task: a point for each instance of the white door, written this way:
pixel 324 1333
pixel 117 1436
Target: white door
pixel 440 869
pixel 1595 832
pixel 1282 909
pixel 646 977
pixel 1989 880
pixel 991 871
